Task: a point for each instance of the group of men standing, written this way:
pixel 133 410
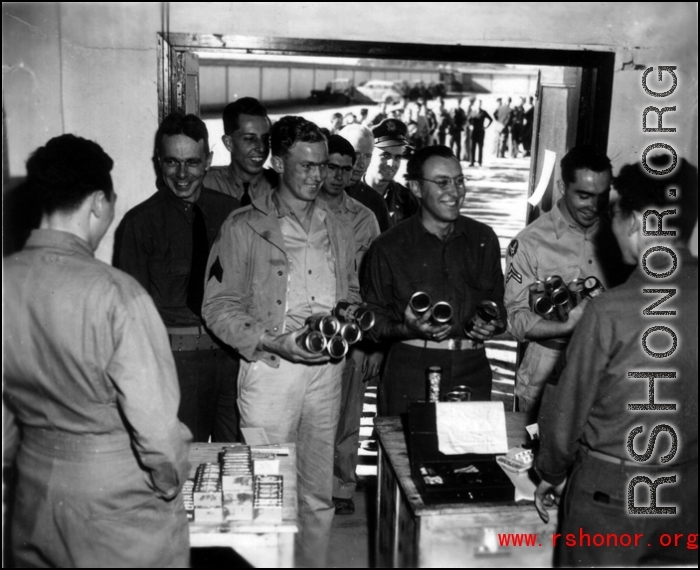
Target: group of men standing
pixel 235 259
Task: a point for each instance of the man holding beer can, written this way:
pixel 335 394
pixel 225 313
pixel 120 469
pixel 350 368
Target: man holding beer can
pixel 454 262
pixel 561 246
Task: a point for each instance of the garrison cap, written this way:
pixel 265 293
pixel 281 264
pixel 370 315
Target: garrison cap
pixel 390 132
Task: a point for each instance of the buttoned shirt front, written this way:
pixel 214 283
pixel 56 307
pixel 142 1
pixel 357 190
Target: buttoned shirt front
pixel 311 265
pixel 551 245
pixel 224 179
pixel 462 270
pixel 361 221
pixel 154 244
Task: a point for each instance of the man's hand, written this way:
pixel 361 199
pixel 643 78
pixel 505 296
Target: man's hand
pixel 420 327
pixel 487 330
pixel 285 346
pixel 547 495
pixel 371 364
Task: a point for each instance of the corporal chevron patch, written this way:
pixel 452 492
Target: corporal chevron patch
pixel 513 274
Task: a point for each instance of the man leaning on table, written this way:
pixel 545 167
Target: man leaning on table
pixel 275 263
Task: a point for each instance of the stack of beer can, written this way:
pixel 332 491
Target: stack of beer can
pixel 237 483
pixel 206 495
pixel 335 333
pixel 268 498
pixel 553 299
pixel 440 312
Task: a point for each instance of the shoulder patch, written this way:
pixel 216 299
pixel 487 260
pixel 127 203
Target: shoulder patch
pixel 216 271
pixel 513 247
pixel 513 274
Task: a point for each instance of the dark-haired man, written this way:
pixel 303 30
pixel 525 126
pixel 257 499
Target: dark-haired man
pixel 164 243
pixel 390 142
pixel 450 257
pixel 363 361
pixel 273 265
pixel 586 421
pixel 91 385
pixel 247 138
pixel 563 242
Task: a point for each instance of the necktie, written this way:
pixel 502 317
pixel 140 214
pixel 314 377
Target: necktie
pixel 245 199
pixel 200 253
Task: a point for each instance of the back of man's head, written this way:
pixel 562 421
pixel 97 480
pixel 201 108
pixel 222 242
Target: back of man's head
pixel 242 106
pixel 584 157
pixel 290 130
pixel 178 123
pixel 64 172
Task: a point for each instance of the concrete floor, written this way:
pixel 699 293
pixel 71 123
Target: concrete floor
pixel 352 536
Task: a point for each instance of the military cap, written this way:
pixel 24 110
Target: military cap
pixel 390 132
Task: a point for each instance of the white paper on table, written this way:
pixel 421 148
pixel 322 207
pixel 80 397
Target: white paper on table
pixel 524 486
pixel 550 158
pixel 471 427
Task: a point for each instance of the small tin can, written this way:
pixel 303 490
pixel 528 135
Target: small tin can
pixel 456 396
pixel 544 308
pixel 486 311
pixel 465 390
pixel 312 341
pixel 592 287
pixel 535 291
pixel 561 299
pixel 351 332
pixel 327 325
pixel 441 313
pixel 353 313
pixel 337 347
pixel 420 303
pixel 552 284
pixel 434 379
pixel 576 289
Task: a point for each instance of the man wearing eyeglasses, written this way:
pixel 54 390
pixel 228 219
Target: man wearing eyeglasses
pixel 450 257
pixel 362 361
pixel 164 243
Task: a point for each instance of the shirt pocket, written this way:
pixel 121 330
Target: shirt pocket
pixel 170 279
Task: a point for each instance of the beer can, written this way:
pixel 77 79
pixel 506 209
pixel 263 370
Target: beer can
pixel 593 287
pixel 561 299
pixel 327 325
pixel 552 283
pixel 535 291
pixel 353 313
pixel 420 303
pixel 486 311
pixel 456 396
pixel 576 289
pixel 434 379
pixel 544 308
pixel 337 347
pixel 441 313
pixel 351 332
pixel 312 341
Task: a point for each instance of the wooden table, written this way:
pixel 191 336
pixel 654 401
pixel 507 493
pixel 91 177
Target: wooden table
pixel 264 545
pixel 413 534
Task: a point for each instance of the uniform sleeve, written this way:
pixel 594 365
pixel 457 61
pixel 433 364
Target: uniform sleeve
pixel 143 373
pixel 377 291
pixel 130 253
pixel 226 291
pixel 494 266
pixel 566 405
pixel 521 272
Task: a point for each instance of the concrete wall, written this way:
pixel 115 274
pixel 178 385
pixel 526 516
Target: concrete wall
pixel 90 69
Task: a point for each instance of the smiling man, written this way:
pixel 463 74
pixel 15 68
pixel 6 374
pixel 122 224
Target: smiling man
pixel 247 138
pixel 567 241
pixel 390 142
pixel 164 242
pixel 450 257
pixel 274 264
